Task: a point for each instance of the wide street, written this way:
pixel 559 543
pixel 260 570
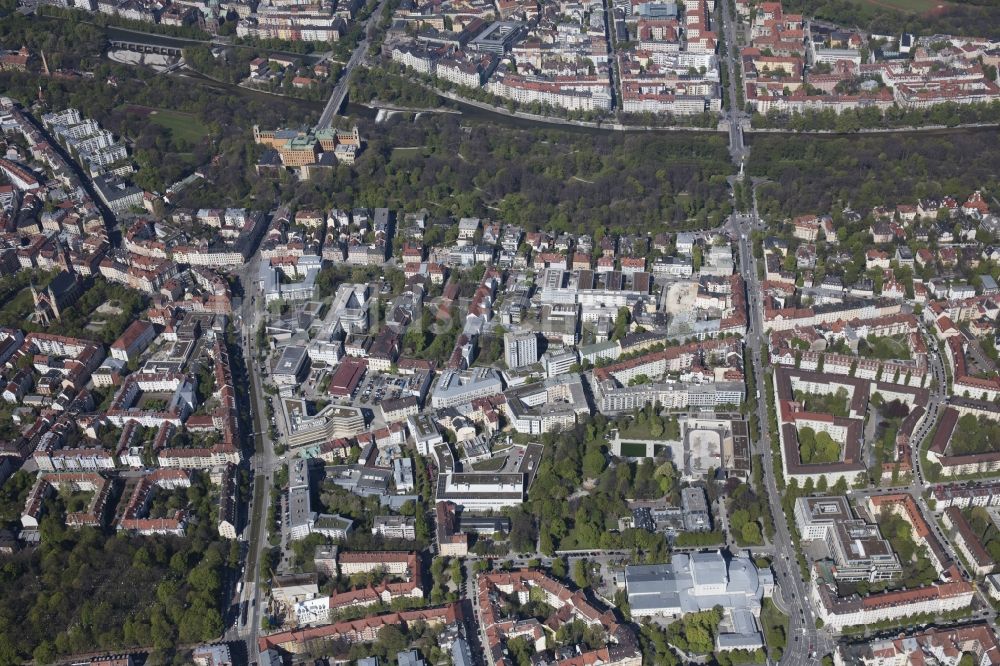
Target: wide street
pixel 803 636
pixel 734 114
pixel 263 462
pixel 262 465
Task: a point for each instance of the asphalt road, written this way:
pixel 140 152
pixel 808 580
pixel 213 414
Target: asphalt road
pixel 340 90
pixel 734 114
pixel 264 461
pixel 803 638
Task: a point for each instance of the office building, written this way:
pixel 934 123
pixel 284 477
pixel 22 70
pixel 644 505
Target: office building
pixel 553 404
pixel 815 516
pixel 520 349
pixel 695 507
pixel 558 363
pixel 291 366
pixel 395 527
pixel 300 513
pixel 462 387
pixel 858 550
pixel 498 38
pixel 425 433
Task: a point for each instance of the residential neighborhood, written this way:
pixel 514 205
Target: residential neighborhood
pixel 474 332
pixel 794 65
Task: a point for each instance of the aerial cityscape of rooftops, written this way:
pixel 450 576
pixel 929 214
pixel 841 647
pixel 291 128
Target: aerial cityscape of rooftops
pixel 499 332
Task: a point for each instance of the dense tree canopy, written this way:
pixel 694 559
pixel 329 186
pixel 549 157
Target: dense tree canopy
pixel 695 632
pixel 588 519
pixel 975 435
pixel 80 591
pixel 542 178
pixel 984 528
pixel 810 174
pixel 971 17
pixel 122 308
pixel 817 447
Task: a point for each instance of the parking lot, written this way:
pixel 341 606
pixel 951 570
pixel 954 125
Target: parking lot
pixel 642 518
pixel 375 388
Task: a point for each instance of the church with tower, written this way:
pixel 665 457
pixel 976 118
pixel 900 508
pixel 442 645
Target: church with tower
pixel 61 292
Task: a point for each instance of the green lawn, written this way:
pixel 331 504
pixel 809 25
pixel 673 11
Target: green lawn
pixel 909 6
pixel 636 430
pixel 886 349
pixel 76 501
pixel 183 126
pixel 775 624
pixel 490 464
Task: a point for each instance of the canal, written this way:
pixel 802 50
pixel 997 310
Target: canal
pixel 469 112
pixel 475 114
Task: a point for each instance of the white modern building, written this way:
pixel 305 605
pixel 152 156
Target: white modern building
pixel 425 433
pixel 558 363
pixel 546 406
pixel 277 289
pixel 520 349
pixel 858 549
pixel 481 492
pixel 461 387
pixel 701 581
pixel 395 527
